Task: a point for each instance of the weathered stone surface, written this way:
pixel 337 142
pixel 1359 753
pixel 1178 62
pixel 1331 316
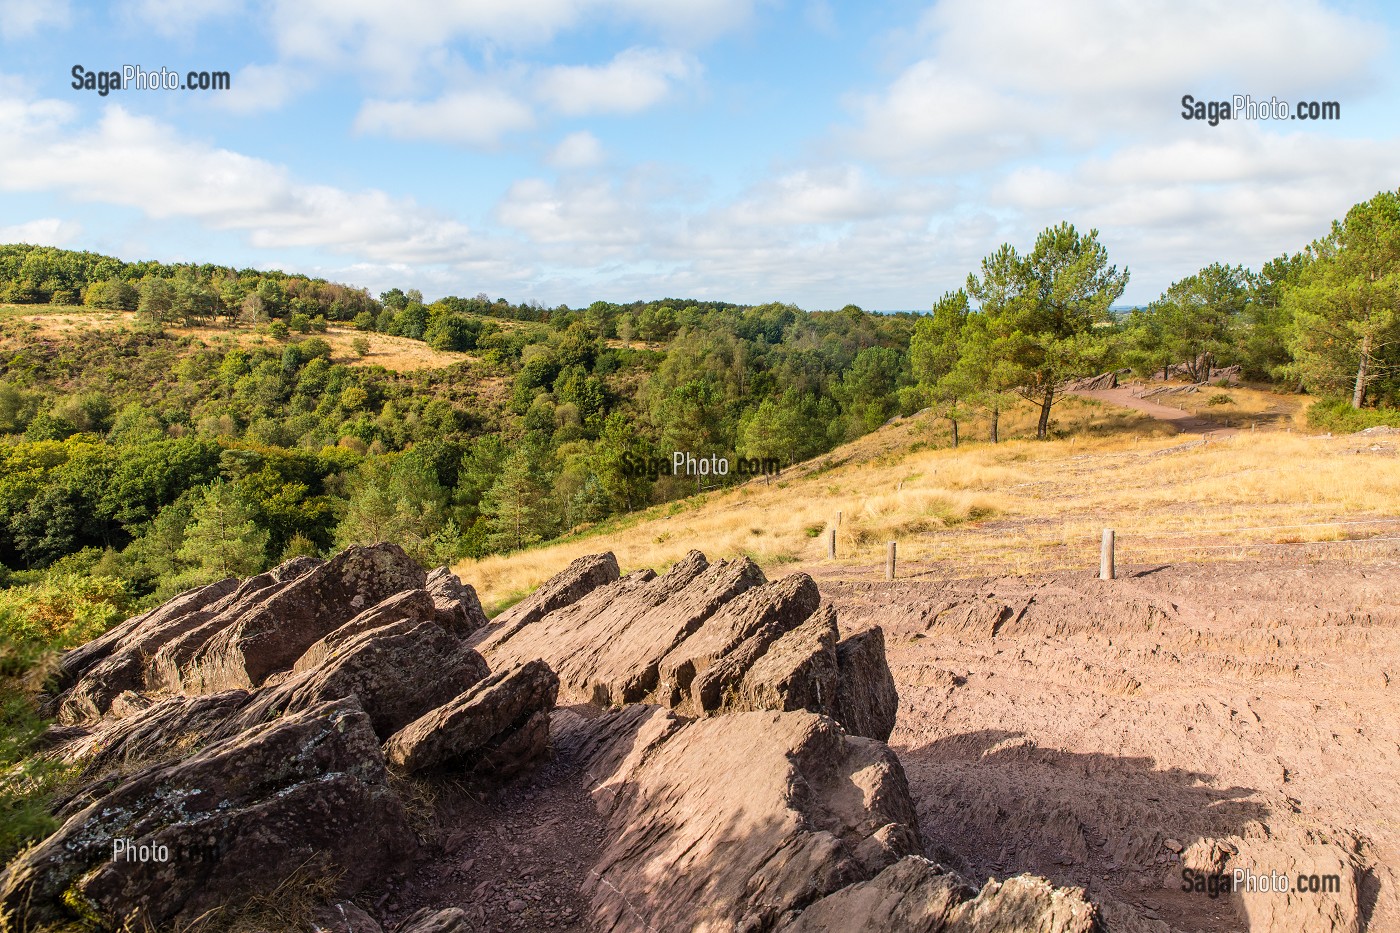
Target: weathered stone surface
pixel 867 701
pixel 456 603
pixel 398 672
pixel 175 724
pixel 345 917
pixel 777 606
pixel 798 671
pixel 611 746
pixel 77 662
pixel 270 636
pixel 408 606
pixel 608 649
pixel 482 720
pixel 580 578
pixel 447 920
pixel 305 794
pixel 115 662
pixel 734 821
pixel 918 896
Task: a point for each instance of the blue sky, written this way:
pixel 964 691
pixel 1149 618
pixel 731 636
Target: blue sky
pixel 747 150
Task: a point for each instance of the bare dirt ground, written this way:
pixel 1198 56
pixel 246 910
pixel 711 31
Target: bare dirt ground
pixel 1088 731
pixel 1182 420
pixel 513 857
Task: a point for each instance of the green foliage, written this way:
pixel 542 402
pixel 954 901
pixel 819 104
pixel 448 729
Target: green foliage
pixel 1339 417
pixel 1346 305
pixel 37 622
pixel 222 540
pixel 396 499
pixel 1044 309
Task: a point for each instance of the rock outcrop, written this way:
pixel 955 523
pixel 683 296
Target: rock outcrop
pixel 307 793
pixel 732 744
pixel 915 895
pixel 500 724
pixel 732 822
pixel 397 673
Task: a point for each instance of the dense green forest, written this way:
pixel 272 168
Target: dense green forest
pixel 159 460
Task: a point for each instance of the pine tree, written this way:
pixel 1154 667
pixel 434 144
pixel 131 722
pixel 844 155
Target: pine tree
pixel 512 506
pixel 223 540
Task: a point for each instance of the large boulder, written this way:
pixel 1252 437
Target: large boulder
pixel 607 648
pixel 397 672
pixel 915 895
pixel 111 664
pixel 798 671
pixel 172 726
pixel 304 796
pixel 733 822
pixel 508 710
pixel 867 701
pixel 565 588
pixel 408 606
pixel 271 635
pixel 772 607
pixel 456 604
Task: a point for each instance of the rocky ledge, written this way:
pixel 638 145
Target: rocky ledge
pixel 296 739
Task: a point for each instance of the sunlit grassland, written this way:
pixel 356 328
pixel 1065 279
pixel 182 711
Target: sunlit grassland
pixel 1020 506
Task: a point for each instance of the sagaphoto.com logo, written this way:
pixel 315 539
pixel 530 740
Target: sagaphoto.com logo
pixel 134 77
pixel 1245 107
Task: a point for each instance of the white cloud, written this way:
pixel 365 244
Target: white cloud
pixel 477 118
pixel 47 231
pixel 177 18
pixel 138 162
pixel 577 150
pixel 828 195
pixel 22 18
pixel 1000 82
pixel 390 37
pixel 258 88
pixel 634 80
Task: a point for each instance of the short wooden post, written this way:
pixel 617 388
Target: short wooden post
pixel 831 544
pixel 1106 556
pixel 889 562
pixel 838 519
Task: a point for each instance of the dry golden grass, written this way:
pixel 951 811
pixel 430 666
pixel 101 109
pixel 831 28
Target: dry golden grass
pixel 399 354
pixel 1240 406
pixel 1017 507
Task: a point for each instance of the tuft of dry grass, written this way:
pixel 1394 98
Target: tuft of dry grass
pixel 1017 507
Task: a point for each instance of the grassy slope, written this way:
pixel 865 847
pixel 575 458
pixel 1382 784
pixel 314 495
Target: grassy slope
pixel 394 353
pixel 1016 507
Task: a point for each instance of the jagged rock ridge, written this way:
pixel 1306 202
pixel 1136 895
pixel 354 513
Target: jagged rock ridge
pixel 251 731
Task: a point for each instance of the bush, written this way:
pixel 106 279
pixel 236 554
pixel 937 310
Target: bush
pixel 1337 415
pixel 37 622
pixel 1220 398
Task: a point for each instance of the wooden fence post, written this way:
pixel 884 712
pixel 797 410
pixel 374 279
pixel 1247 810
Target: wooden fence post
pixel 1106 571
pixel 831 545
pixel 889 562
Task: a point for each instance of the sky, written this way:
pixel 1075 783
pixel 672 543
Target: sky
pixel 566 151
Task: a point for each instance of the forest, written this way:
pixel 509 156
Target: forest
pixel 149 458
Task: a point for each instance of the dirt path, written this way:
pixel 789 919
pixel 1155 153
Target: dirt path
pixel 1089 731
pixel 1124 398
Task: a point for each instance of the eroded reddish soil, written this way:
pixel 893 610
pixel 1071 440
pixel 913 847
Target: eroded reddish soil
pixel 1088 731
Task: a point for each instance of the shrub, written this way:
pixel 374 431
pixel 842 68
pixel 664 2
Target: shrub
pixel 1220 398
pixel 1337 415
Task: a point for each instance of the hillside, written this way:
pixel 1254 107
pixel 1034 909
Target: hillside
pixel 1226 703
pixel 1018 506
